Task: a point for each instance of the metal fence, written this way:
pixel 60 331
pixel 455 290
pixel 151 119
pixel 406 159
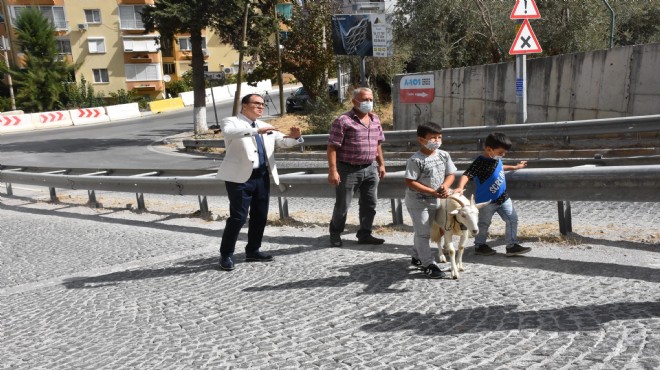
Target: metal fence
pixel 584 183
pixel 563 129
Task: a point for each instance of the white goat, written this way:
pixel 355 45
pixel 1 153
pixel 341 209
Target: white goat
pixel 455 216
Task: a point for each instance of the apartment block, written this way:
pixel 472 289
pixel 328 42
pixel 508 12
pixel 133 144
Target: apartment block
pixel 107 39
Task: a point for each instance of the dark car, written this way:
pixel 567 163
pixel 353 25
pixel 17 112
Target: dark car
pixel 299 98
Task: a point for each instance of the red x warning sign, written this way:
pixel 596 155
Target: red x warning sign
pixel 525 41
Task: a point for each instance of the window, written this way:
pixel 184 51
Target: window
pixel 143 72
pixel 130 18
pixel 140 44
pixel 92 16
pixel 101 75
pixel 63 46
pixel 185 45
pixel 169 68
pixel 284 10
pixel 96 46
pixel 55 14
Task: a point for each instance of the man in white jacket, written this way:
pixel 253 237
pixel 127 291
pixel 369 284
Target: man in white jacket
pixel 246 169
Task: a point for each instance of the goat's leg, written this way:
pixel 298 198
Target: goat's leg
pixel 452 255
pixel 461 248
pixel 442 247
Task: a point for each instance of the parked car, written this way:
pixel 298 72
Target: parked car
pixel 299 98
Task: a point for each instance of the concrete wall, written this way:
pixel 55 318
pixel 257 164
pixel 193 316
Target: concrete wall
pixel 600 84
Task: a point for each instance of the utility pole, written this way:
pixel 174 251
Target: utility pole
pixel 239 78
pixel 280 81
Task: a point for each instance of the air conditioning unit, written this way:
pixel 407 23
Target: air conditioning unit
pixel 230 70
pixel 83 26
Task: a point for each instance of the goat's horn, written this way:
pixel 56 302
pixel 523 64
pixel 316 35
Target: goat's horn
pixel 457 201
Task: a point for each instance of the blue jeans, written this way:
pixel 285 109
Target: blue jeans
pixel 353 179
pixel 508 215
pixel 251 196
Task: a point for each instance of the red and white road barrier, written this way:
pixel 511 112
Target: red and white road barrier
pixel 86 116
pixel 51 119
pixel 15 123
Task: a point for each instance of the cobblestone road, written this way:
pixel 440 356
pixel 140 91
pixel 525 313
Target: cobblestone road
pixel 114 289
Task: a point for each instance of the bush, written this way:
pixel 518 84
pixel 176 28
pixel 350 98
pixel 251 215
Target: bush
pixel 321 113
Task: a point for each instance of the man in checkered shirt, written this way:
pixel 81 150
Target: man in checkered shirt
pixel 355 163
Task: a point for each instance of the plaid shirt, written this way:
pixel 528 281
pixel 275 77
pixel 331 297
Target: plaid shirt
pixel 356 144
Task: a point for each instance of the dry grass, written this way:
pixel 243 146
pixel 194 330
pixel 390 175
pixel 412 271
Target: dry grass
pixel 384 112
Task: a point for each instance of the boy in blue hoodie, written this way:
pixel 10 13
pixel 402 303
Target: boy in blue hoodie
pixel 487 171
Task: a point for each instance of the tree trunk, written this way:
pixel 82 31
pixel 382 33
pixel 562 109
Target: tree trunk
pixel 199 86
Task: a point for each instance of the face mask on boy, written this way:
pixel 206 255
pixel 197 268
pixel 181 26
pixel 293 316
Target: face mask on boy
pixel 432 145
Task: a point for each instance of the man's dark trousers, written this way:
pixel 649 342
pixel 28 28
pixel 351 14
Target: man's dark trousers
pixel 251 196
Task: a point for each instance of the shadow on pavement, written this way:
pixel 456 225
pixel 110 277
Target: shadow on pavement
pixel 505 319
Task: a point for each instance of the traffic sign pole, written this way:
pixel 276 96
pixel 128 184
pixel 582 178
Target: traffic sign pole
pixel 521 87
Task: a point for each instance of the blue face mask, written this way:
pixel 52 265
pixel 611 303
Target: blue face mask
pixel 366 106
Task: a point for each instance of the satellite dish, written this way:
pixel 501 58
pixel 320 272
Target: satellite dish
pixel 167 78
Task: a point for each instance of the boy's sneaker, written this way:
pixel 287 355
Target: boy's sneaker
pixel 485 250
pixel 433 271
pixel 516 249
pixel 416 262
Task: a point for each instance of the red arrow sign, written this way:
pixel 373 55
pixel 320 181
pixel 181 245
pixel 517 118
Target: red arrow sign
pixel 9 119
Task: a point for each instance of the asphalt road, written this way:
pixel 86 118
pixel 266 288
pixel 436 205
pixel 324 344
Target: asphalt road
pixel 123 144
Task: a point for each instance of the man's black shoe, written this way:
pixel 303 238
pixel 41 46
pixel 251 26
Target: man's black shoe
pixel 226 263
pixel 370 239
pixel 335 240
pixel 258 257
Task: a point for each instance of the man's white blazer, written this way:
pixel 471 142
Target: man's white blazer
pixel 241 154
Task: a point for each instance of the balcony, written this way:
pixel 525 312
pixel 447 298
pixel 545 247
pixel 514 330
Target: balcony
pixel 140 59
pixel 129 25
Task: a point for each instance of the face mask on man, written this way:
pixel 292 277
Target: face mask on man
pixel 432 145
pixel 366 106
pixel 497 157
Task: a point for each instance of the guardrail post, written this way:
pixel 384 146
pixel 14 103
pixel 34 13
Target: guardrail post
pixel 140 201
pixel 92 199
pixel 203 206
pixel 283 203
pixel 53 195
pixel 397 212
pixel 10 191
pixel 565 222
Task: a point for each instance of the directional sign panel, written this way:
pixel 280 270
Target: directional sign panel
pixel 214 75
pixel 418 89
pixel 525 9
pixel 525 41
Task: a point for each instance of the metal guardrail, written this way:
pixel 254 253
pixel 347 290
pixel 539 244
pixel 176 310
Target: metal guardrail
pixel 585 183
pixel 565 129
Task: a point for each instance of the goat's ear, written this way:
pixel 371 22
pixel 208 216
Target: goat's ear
pixel 482 205
pixel 454 212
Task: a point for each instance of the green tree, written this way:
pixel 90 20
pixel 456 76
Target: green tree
pixel 256 43
pixel 440 34
pixel 40 83
pixel 80 95
pixel 170 17
pixel 307 54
